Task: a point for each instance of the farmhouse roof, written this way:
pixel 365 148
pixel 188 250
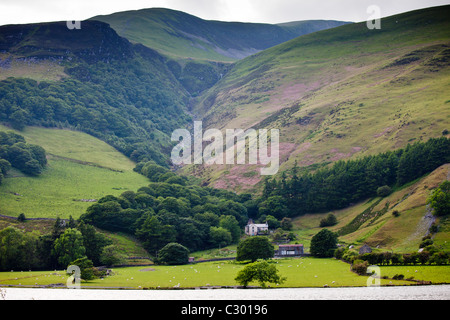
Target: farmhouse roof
pixel 290 245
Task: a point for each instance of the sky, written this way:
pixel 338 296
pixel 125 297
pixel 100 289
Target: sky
pixel 264 11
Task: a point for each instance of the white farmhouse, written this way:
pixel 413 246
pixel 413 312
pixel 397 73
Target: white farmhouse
pixel 254 229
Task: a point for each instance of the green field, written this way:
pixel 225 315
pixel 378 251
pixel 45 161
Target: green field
pixel 302 272
pixel 80 168
pixel 435 274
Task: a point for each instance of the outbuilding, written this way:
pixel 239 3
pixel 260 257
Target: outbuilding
pixel 365 249
pixel 289 250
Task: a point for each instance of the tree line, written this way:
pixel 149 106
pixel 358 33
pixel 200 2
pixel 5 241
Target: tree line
pixel 347 182
pixel 133 104
pixel 171 210
pixel 429 254
pixel 67 242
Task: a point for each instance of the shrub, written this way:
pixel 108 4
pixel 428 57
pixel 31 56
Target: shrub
pixel 339 253
pixel 360 267
pixel 434 228
pixel 426 243
pixel 397 259
pixel 410 258
pixel 286 224
pixel 21 217
pixel 439 258
pixel 86 267
pixel 173 254
pixel 110 256
pixel 398 277
pixel 424 256
pixel 349 256
pixel 439 199
pixel 384 191
pixel 330 220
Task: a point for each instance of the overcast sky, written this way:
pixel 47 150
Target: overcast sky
pixel 267 11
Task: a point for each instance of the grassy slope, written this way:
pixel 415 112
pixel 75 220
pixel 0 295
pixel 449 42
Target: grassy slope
pixel 39 70
pixel 339 93
pixel 138 102
pixel 79 167
pixel 305 272
pixel 181 35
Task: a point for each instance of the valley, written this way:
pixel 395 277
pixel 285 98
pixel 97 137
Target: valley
pixel 342 93
pixel 358 111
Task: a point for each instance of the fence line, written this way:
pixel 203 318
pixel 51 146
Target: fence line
pixel 50 219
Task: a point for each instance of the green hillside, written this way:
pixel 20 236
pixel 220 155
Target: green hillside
pixel 104 100
pixel 97 82
pixel 80 168
pixel 376 224
pixel 181 35
pixel 339 93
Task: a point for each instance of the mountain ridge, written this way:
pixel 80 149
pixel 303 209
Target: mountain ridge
pixel 181 35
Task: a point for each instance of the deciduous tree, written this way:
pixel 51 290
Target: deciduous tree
pixel 254 248
pixel 69 247
pixel 260 271
pixel 323 243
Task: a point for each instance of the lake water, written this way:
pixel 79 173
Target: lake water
pixel 433 292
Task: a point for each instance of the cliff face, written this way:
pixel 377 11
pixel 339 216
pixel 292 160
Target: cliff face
pixel 94 41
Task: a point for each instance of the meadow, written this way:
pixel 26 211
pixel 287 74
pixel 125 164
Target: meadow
pixel 80 168
pixel 435 274
pixel 301 272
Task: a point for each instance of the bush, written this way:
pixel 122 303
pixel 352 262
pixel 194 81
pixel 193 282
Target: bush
pixel 173 254
pixel 339 253
pixel 439 200
pixel 21 217
pixel 439 258
pixel 286 224
pixel 349 256
pixel 397 259
pixel 360 267
pixel 384 191
pixel 330 220
pixel 110 256
pixel 426 243
pixel 434 228
pixel 424 256
pixel 86 267
pixel 410 258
